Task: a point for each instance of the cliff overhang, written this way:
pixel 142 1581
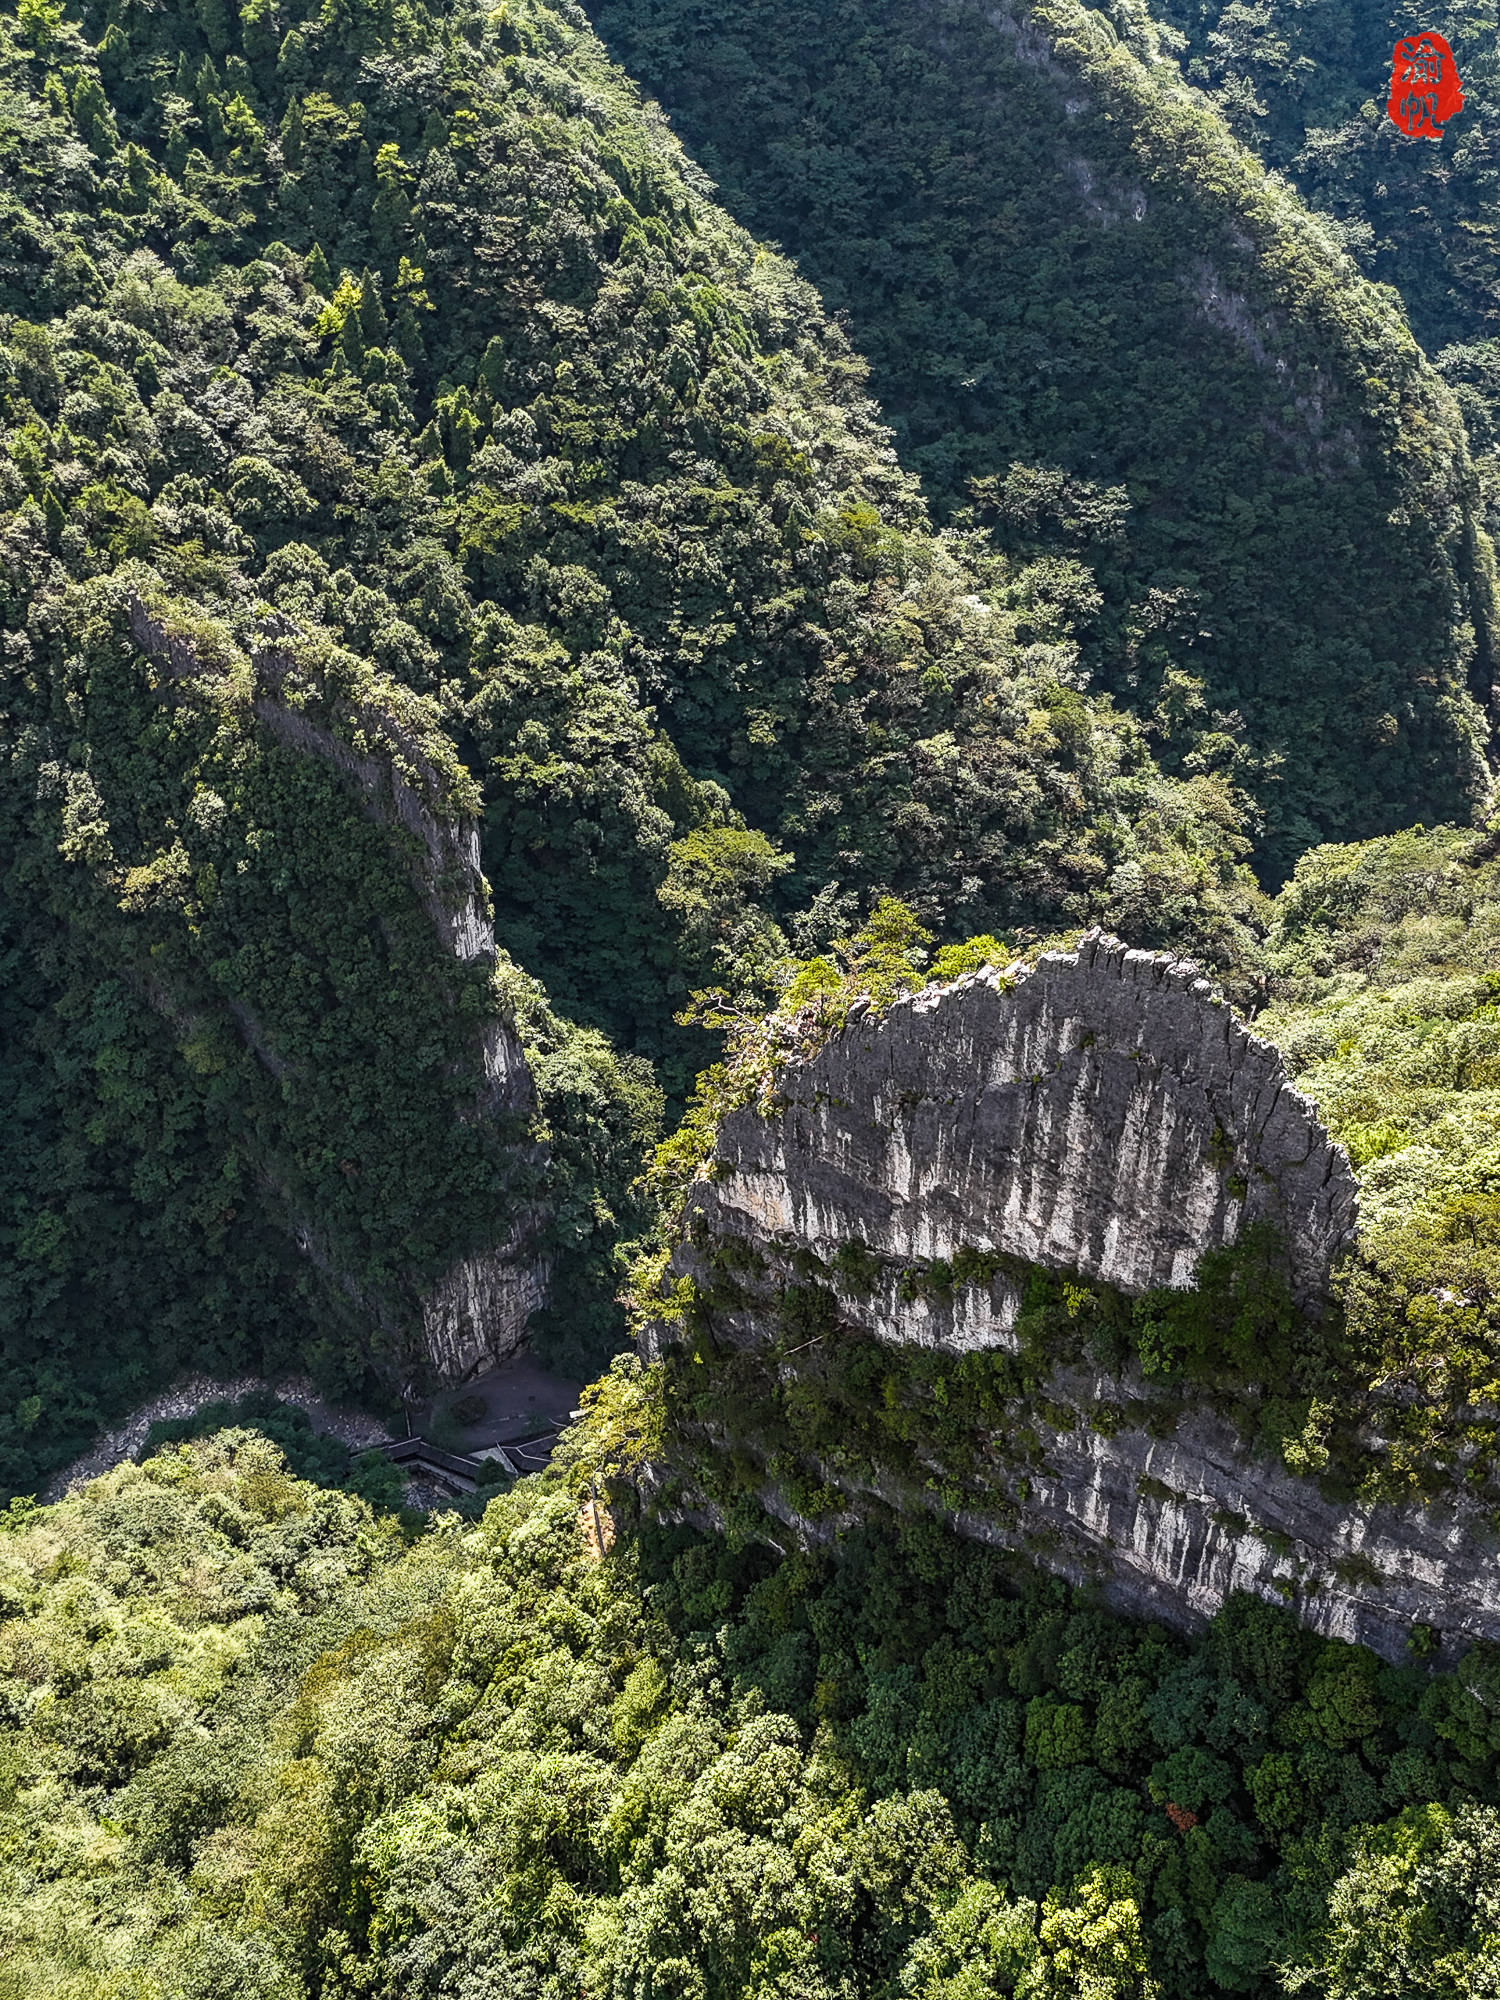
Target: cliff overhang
pixel 1100 1111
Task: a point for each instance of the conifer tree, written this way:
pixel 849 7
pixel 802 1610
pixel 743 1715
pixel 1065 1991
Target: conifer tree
pixel 351 341
pixel 259 36
pixel 292 63
pixel 373 323
pixel 114 49
pixel 411 300
pixel 214 17
pixel 94 119
pixel 292 140
pixel 390 213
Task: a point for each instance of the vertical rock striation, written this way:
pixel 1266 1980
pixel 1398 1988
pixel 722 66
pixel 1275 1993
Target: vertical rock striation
pixel 1099 1113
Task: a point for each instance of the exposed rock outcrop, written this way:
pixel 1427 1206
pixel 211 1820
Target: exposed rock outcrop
pixel 1099 1112
pixel 1169 1528
pixel 1103 1114
pixel 478 1311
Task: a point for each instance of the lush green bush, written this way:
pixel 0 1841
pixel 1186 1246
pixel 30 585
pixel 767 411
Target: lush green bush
pixel 255 1744
pixel 1386 1002
pixel 309 1454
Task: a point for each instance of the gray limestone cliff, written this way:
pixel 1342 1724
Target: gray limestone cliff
pixel 1100 1112
pixel 1103 1114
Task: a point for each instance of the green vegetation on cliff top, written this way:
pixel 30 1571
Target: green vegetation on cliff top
pixel 1383 967
pixel 1385 964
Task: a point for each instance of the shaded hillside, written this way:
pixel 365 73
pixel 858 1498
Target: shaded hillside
pixel 1076 291
pixel 1306 86
pixel 400 449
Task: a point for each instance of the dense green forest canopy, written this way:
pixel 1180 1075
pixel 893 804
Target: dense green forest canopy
pixel 258 1749
pixel 1384 960
pixel 403 457
pixel 395 370
pixel 1305 83
pixel 399 373
pixel 1099 327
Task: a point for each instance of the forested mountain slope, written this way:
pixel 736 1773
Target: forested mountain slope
pixel 1305 85
pixel 1092 316
pixel 397 443
pixel 459 600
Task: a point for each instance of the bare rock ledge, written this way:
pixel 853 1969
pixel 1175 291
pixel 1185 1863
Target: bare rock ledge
pixel 1101 1112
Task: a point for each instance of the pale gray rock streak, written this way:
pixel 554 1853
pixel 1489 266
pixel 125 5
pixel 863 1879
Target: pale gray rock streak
pixel 1099 1112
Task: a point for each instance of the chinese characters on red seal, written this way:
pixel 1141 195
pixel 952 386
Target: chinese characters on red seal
pixel 1425 90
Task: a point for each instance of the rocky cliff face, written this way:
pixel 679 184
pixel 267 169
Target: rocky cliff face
pixel 1103 1114
pixel 1100 1112
pixel 478 1311
pixel 1169 1528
